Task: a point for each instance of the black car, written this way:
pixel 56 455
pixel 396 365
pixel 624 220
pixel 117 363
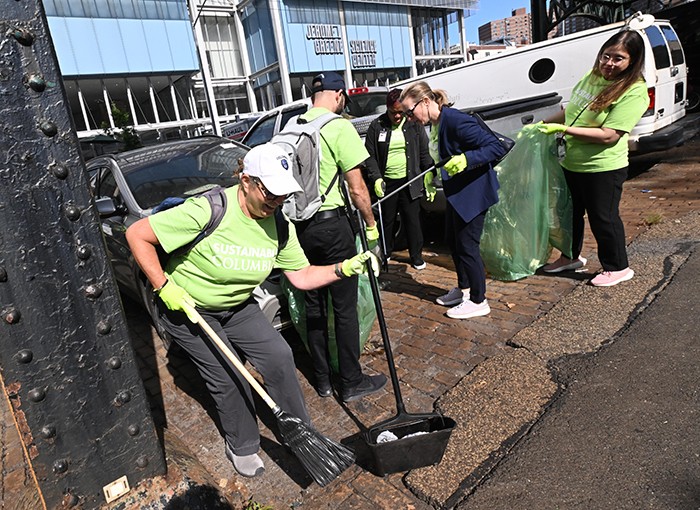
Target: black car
pixel 127 186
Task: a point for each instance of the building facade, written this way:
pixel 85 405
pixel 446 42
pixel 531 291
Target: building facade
pixel 180 67
pixel 516 29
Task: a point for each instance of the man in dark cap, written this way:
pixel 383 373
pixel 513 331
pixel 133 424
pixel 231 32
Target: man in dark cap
pixel 328 238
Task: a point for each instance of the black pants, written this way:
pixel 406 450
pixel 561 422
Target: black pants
pixel 464 240
pixel 328 241
pixel 410 219
pixel 598 194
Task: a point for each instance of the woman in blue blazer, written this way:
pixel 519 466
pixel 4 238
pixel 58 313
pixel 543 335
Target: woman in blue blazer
pixel 470 187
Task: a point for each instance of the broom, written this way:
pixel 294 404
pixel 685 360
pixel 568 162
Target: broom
pixel 323 458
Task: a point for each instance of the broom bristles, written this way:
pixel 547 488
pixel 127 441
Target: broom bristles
pixel 323 458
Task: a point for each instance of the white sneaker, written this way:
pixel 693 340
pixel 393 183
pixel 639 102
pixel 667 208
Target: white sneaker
pixel 246 465
pixel 453 297
pixel 468 309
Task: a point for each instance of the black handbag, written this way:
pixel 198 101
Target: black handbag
pixel 507 143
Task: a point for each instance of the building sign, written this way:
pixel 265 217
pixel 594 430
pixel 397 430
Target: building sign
pixel 363 53
pixel 326 39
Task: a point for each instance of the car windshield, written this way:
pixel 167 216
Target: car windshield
pixel 368 103
pixel 157 175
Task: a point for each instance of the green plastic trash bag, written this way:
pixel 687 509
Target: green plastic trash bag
pixel 367 314
pixel 533 213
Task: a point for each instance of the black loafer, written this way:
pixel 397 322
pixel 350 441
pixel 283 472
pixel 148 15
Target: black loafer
pixel 369 384
pixel 324 389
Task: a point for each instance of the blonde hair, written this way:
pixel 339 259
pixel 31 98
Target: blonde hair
pixel 421 89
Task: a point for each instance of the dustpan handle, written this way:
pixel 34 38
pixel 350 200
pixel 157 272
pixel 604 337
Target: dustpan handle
pixel 232 358
pixel 400 408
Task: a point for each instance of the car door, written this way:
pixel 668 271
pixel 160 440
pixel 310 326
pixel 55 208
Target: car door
pixel 670 69
pixel 114 227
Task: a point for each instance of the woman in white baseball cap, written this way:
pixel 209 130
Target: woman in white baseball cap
pixel 217 277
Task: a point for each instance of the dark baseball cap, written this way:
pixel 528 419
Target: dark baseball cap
pixel 328 81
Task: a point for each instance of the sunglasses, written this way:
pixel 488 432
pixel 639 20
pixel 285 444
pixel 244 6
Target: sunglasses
pixel 265 192
pixel 409 113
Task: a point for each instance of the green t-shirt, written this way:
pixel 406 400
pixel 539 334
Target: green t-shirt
pixel 623 114
pixel 341 147
pixel 396 159
pixel 433 146
pixel 222 270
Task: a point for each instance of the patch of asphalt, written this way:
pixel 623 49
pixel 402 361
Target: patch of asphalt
pixel 502 398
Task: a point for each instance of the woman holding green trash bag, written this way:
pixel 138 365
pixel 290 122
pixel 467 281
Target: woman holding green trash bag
pixel 217 277
pixel 470 187
pixel 604 107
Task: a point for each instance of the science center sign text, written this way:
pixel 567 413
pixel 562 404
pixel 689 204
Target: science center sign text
pixel 327 41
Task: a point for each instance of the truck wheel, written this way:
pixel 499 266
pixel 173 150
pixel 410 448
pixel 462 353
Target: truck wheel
pixel 693 99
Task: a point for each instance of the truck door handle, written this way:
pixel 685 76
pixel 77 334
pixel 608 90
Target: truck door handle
pixel 527 119
pixel 674 71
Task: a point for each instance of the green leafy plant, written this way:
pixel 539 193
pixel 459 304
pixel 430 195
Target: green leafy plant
pixel 254 505
pixel 653 218
pixel 123 129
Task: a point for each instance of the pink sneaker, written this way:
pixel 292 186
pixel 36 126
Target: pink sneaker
pixel 610 278
pixel 565 264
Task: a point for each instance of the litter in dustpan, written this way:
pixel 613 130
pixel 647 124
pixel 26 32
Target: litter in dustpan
pixel 421 441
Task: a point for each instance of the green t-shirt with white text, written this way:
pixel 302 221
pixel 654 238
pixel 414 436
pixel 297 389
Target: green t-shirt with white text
pixel 222 270
pixel 623 114
pixel 341 147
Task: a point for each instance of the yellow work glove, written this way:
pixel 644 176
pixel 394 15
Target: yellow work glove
pixel 372 234
pixel 430 189
pixel 550 129
pixel 379 187
pixel 455 165
pixel 358 264
pixel 177 299
pixel 528 129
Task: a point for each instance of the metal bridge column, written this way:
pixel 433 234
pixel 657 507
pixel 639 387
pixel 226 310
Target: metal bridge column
pixel 65 356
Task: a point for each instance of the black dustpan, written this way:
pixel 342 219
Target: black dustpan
pixel 406 441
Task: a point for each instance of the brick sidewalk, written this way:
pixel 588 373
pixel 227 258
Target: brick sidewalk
pixel 432 353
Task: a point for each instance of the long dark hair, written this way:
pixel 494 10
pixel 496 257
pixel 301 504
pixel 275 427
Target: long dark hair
pixel 633 44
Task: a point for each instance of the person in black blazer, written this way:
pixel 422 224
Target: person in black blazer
pixel 470 185
pixel 398 152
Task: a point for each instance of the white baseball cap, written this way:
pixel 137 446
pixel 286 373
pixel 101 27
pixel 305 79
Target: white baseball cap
pixel 271 164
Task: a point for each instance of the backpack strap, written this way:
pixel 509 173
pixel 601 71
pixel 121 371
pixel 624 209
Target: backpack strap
pixel 322 121
pixel 217 202
pixel 282 226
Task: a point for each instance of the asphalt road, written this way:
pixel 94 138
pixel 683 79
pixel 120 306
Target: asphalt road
pixel 624 434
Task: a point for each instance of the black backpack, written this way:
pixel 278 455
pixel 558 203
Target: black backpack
pixel 217 202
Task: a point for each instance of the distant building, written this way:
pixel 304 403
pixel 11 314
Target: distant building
pixel 517 29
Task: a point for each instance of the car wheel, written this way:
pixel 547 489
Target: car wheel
pixel 148 298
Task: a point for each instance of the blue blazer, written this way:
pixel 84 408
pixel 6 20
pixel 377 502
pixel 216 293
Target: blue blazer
pixel 475 189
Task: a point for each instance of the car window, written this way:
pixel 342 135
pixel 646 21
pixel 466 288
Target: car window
pixel 658 47
pixel 184 174
pixel 105 184
pixel 288 114
pixel 262 133
pixel 674 45
pixel 370 103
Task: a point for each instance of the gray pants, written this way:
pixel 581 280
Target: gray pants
pixel 251 336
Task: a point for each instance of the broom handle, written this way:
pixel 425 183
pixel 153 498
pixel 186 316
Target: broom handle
pixel 232 358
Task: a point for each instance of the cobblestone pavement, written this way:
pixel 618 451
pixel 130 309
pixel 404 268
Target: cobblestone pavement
pixel 432 353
